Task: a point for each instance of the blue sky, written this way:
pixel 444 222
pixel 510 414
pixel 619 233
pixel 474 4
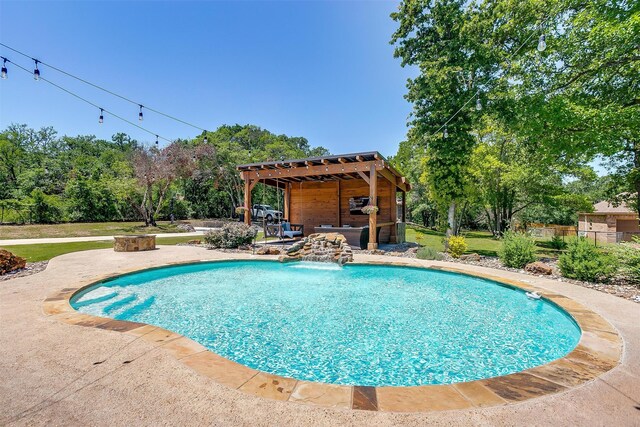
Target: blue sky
pixel 322 70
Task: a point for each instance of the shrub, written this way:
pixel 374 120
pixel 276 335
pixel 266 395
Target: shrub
pixel 232 235
pixel 628 255
pixel 46 209
pixel 428 253
pixel 583 261
pixel 456 246
pixel 557 243
pixel 518 250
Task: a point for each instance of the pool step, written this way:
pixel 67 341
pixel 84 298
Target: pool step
pixel 127 313
pixel 119 304
pixel 96 300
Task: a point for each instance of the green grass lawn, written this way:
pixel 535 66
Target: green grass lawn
pixel 480 242
pixel 80 229
pixel 46 251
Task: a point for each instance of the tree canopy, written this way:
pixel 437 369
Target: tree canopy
pixel 522 120
pixel 82 178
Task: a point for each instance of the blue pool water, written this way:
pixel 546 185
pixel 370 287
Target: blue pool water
pixel 358 325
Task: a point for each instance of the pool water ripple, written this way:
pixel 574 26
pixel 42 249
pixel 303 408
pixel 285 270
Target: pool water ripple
pixel 358 325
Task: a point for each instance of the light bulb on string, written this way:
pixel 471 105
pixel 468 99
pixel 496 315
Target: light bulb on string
pixel 4 68
pixel 445 133
pixel 542 43
pixel 36 72
pixel 101 118
pixel 156 139
pixel 206 140
pixel 478 104
pixel 140 113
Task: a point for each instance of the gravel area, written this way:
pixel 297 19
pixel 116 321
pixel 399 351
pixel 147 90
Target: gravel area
pixel 618 286
pixel 31 268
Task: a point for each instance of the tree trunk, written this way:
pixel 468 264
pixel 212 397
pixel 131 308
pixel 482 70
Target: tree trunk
pixel 636 175
pixel 451 221
pixel 152 220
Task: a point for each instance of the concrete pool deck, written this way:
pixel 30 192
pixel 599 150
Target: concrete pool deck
pixel 57 373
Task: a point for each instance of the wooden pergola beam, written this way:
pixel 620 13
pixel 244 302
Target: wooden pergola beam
pixel 313 170
pixel 393 179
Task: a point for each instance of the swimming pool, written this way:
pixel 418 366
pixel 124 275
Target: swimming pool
pixel 362 325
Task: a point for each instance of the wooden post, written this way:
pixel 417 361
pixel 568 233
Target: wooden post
pixel 287 195
pixel 247 199
pixel 393 214
pixel 373 201
pixel 339 203
pixel 404 206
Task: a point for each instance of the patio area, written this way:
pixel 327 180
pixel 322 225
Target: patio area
pixel 57 373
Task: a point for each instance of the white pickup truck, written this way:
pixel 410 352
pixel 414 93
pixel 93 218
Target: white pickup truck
pixel 265 212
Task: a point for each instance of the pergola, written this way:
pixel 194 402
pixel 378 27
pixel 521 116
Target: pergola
pixel 324 190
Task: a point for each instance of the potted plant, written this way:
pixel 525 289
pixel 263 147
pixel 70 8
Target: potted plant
pixel 370 209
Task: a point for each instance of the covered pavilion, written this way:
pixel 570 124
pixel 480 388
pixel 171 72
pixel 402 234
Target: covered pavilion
pixel 327 193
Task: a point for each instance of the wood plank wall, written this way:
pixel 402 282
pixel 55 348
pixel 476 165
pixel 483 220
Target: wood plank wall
pixel 315 203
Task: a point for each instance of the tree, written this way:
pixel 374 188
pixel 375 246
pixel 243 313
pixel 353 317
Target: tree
pixel 580 97
pixel 438 38
pixel 509 177
pixel 156 169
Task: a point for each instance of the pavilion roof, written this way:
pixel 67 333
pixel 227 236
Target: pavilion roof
pixel 324 168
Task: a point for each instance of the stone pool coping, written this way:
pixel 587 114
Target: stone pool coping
pixel 599 350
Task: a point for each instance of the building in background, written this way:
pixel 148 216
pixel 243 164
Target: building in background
pixel 608 223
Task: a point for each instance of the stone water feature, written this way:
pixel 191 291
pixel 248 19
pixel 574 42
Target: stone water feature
pixel 320 247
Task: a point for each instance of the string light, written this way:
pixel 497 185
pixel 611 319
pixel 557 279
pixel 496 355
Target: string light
pixel 445 133
pixel 102 110
pixel 36 72
pixel 4 67
pixel 140 113
pixel 478 103
pixel 542 43
pixel 105 90
pixel 156 139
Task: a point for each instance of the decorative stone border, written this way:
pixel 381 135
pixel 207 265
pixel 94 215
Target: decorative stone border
pixel 598 351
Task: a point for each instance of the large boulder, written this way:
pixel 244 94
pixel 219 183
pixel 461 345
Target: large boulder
pixel 268 250
pixel 539 268
pixel 10 262
pixel 474 257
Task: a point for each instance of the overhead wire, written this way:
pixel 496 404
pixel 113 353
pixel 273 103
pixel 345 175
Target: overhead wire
pixel 110 92
pixel 508 60
pixel 93 104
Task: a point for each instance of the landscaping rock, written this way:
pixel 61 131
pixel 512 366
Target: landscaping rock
pixel 470 257
pixel 10 262
pixel 539 268
pixel 268 250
